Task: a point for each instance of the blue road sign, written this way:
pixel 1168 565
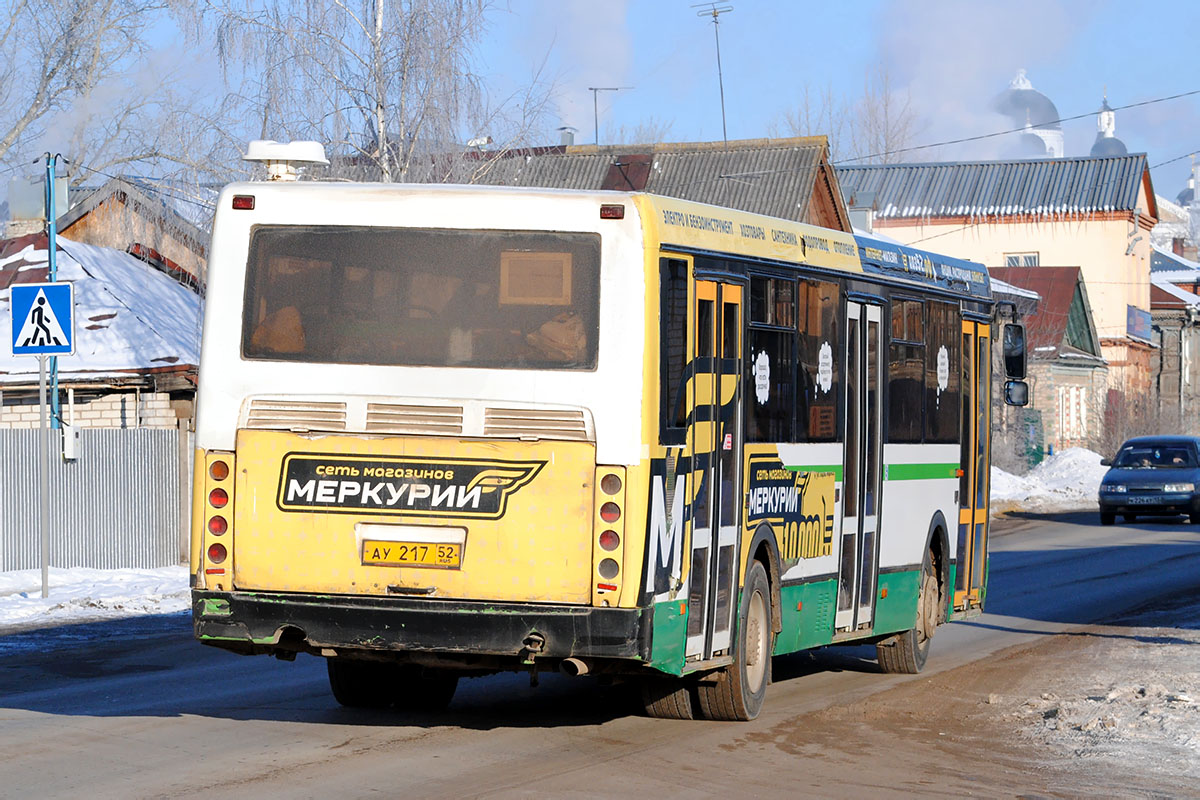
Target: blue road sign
pixel 43 319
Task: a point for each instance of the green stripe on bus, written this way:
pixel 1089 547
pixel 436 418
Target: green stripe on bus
pixel 920 472
pixel 836 469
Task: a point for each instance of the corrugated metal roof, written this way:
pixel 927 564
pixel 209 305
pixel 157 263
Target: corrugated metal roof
pixel 1056 186
pixel 775 177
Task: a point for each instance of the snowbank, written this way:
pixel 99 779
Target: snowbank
pixel 89 595
pixel 1066 481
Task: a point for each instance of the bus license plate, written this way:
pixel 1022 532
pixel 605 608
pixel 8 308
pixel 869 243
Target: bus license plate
pixel 438 555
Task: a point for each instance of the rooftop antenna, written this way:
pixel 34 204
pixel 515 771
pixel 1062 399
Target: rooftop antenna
pixel 595 90
pixel 715 11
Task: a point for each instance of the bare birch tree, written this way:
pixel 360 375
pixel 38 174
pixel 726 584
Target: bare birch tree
pixel 75 77
pixel 870 128
pixel 390 85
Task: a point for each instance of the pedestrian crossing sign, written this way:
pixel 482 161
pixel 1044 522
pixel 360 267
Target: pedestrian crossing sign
pixel 43 319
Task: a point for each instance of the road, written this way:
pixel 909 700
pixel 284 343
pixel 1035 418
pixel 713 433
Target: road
pixel 137 709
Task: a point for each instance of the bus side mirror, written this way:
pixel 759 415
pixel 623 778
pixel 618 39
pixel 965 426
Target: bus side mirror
pixel 1014 352
pixel 1016 393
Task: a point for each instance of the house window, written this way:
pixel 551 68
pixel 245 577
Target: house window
pixel 1021 260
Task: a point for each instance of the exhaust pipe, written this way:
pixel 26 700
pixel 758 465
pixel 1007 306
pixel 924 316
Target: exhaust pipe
pixel 573 667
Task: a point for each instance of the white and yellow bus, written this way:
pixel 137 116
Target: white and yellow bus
pixel 445 431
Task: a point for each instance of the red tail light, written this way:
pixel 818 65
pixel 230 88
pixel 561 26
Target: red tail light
pixel 610 512
pixel 216 553
pixel 217 498
pixel 219 470
pixel 609 540
pixel 217 525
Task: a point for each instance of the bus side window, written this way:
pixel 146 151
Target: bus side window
pixel 906 371
pixel 770 364
pixel 673 356
pixel 817 357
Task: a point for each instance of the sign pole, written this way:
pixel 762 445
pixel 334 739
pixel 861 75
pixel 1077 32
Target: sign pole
pixel 44 477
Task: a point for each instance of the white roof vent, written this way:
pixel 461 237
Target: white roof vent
pixel 283 159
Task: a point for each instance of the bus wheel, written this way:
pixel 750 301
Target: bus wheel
pixel 739 689
pixel 907 652
pixel 419 689
pixel 667 698
pixel 361 684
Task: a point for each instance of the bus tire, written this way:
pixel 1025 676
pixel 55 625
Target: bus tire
pixel 418 689
pixel 361 684
pixel 667 698
pixel 739 689
pixel 907 652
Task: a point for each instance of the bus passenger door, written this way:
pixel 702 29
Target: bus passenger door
pixel 861 484
pixel 716 445
pixel 973 488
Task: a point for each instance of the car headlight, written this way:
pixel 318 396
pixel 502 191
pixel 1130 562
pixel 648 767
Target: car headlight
pixel 1114 487
pixel 1179 487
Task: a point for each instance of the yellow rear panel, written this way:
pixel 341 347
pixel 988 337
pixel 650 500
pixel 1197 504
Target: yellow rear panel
pixel 485 520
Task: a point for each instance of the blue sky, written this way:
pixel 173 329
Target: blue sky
pixel 950 57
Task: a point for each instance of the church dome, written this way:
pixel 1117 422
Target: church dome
pixel 1022 104
pixel 1108 146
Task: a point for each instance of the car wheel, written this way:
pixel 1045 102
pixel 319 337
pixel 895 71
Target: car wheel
pixel 1107 518
pixel 1194 517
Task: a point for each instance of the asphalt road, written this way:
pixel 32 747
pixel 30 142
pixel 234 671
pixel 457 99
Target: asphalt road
pixel 138 709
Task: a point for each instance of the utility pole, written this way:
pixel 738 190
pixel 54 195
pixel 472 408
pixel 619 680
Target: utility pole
pixel 51 251
pixel 595 90
pixel 716 11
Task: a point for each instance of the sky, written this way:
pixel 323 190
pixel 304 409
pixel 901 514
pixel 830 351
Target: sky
pixel 949 58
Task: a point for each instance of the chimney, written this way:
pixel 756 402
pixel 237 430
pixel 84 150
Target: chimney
pixel 566 136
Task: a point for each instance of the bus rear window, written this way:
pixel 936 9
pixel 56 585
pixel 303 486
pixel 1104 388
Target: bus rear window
pixel 402 296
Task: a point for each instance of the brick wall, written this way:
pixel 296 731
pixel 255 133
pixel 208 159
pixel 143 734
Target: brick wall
pixel 116 410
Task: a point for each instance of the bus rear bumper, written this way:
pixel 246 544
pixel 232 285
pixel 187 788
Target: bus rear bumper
pixel 258 622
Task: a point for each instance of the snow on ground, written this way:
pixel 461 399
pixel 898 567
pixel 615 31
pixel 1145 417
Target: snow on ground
pixel 89 595
pixel 1066 481
pixel 1132 699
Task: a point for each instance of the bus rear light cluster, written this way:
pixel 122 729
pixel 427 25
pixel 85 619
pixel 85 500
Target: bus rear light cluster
pixel 217 520
pixel 609 527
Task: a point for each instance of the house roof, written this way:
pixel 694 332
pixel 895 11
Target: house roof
pixel 1062 325
pixel 776 177
pixel 1170 266
pixel 129 317
pixel 1042 187
pixel 186 214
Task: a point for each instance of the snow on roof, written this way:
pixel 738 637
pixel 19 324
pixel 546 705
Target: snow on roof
pixel 1170 288
pixel 1001 287
pixel 129 317
pixel 1163 262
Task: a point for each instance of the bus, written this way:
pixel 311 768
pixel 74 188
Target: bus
pixel 445 431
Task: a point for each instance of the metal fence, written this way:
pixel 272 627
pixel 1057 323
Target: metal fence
pixel 122 503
